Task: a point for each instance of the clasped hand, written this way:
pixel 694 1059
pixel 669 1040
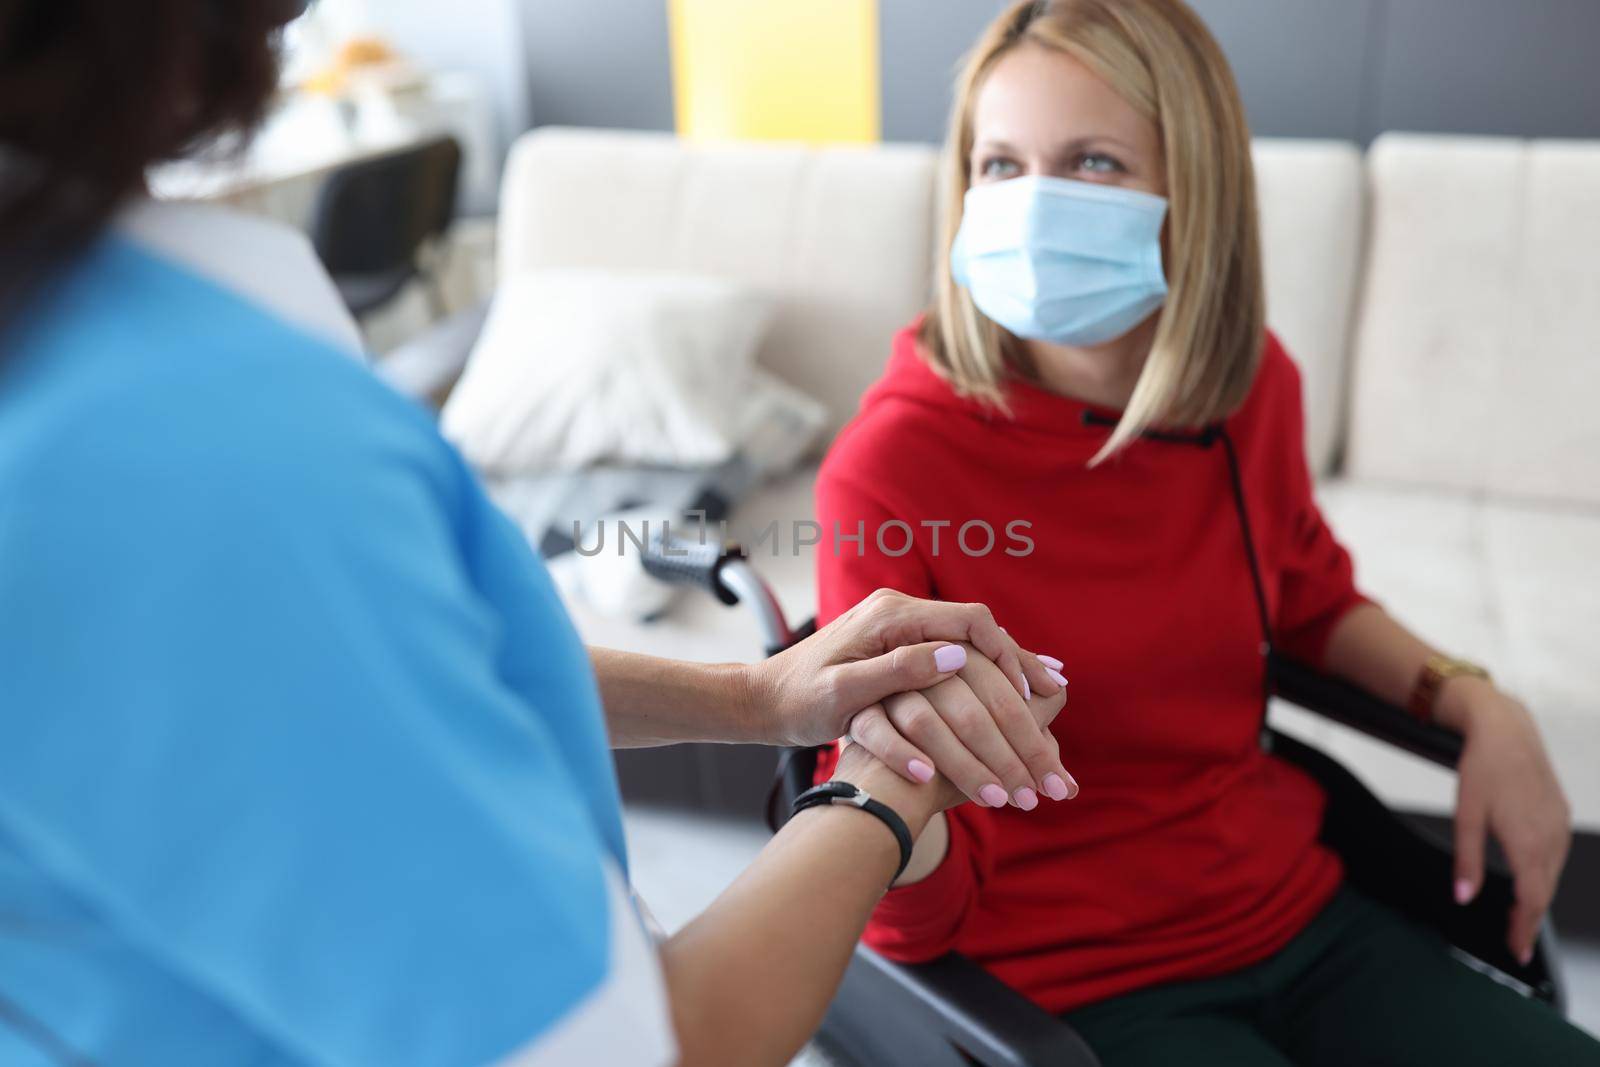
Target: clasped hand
pixel 932 690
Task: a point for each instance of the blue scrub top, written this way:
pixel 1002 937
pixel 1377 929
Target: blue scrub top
pixel 301 761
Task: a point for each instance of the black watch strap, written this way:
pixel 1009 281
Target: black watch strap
pixel 828 792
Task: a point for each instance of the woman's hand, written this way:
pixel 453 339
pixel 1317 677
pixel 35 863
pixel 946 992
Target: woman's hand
pixel 1506 786
pixel 832 685
pixel 982 767
pixel 964 778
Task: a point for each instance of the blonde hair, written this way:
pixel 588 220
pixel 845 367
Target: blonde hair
pixel 1160 57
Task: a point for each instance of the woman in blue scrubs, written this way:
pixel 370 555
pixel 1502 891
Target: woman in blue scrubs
pixel 300 760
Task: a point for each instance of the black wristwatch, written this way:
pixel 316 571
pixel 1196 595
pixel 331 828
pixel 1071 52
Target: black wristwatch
pixel 829 792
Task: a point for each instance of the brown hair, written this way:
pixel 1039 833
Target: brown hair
pixel 1160 57
pixel 93 92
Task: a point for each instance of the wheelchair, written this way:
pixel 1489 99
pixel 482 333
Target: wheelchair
pixel 950 1012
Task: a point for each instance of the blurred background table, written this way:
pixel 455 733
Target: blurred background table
pixel 366 104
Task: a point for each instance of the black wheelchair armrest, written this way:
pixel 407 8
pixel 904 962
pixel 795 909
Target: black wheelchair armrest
pixel 949 1011
pixel 1392 860
pixel 1344 703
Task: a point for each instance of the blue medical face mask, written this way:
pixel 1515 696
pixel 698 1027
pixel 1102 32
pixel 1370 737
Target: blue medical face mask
pixel 1068 262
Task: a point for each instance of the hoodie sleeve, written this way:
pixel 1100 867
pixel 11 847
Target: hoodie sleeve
pixel 1316 584
pixel 919 921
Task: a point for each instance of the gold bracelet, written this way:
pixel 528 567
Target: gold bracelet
pixel 1437 671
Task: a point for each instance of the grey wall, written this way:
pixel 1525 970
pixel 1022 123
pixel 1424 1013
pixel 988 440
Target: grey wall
pixel 599 63
pixel 480 36
pixel 1310 68
pixel 1304 66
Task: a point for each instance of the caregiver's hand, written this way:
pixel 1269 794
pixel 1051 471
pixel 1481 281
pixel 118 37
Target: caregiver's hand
pixel 1506 786
pixel 832 685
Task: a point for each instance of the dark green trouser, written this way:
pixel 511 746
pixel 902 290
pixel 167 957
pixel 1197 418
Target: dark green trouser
pixel 1359 986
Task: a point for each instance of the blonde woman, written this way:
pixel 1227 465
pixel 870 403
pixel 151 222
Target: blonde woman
pixel 1096 366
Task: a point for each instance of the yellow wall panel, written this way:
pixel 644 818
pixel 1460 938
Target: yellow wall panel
pixel 792 70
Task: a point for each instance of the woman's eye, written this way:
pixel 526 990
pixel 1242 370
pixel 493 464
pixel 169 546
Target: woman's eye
pixel 1096 163
pixel 997 169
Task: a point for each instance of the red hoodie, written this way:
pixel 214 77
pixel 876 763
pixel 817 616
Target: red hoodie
pixel 1189 851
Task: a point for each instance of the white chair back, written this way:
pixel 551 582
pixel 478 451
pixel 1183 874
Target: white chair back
pixel 1477 358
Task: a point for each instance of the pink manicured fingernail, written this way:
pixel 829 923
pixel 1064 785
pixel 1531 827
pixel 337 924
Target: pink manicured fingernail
pixel 1056 676
pixel 1026 799
pixel 1463 891
pixel 993 796
pixel 1027 691
pixel 1051 662
pixel 920 771
pixel 1526 957
pixel 950 658
pixel 1054 787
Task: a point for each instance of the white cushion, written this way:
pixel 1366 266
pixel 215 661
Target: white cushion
pixel 1548 440
pixel 581 367
pixel 839 236
pixel 1311 199
pixel 1478 348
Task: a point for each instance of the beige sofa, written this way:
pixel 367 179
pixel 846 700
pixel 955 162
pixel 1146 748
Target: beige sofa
pixel 1442 296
